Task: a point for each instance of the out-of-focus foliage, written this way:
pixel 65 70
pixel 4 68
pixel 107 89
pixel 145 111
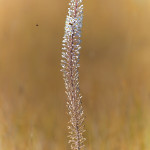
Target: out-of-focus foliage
pixel 114 74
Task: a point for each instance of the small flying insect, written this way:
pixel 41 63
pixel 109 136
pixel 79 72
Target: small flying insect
pixel 37 25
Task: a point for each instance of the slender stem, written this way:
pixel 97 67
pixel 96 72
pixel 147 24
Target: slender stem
pixel 72 82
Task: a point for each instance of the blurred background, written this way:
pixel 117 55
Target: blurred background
pixel 114 75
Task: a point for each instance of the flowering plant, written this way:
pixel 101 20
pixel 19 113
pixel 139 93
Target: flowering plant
pixel 70 65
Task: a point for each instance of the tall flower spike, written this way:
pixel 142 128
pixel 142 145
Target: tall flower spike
pixel 70 65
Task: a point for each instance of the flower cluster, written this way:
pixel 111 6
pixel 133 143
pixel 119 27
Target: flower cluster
pixel 70 65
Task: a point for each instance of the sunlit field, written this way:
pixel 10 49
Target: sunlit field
pixel 114 75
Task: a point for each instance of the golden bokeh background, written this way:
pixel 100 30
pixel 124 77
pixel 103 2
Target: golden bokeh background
pixel 114 75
